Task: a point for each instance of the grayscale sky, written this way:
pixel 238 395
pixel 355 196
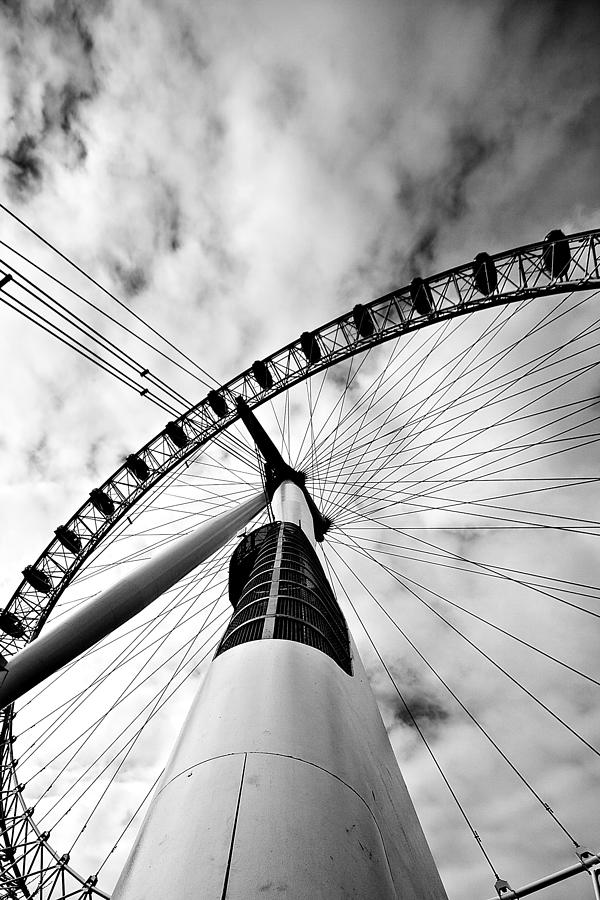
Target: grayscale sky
pixel 238 172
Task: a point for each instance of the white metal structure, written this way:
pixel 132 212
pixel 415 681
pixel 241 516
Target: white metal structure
pixel 283 782
pixel 118 604
pixel 427 435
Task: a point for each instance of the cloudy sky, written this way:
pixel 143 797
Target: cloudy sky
pixel 238 172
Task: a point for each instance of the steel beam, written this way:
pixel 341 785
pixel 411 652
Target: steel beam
pixel 554 878
pixel 277 470
pixel 119 603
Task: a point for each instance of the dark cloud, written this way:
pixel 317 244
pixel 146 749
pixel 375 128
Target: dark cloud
pixel 436 202
pixel 191 44
pixel 25 165
pixel 67 19
pixel 466 540
pixel 11 9
pixel 503 143
pixel 419 257
pixel 63 75
pixel 174 229
pixel 422 704
pixel 61 106
pixel 426 711
pixel 468 150
pixel 555 22
pixel 285 93
pixel 38 458
pixel 132 278
pixel 168 219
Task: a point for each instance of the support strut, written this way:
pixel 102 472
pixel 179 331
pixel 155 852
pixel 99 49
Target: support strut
pixel 119 603
pixel 277 469
pixel 590 865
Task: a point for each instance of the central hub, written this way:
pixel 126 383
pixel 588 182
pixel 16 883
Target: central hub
pixel 279 473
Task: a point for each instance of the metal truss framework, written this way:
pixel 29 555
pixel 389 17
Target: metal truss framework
pixel 29 867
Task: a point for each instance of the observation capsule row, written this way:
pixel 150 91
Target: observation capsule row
pixel 556 260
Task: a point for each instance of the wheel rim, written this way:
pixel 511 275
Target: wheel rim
pixel 522 278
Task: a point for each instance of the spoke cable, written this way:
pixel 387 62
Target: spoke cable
pixel 418 728
pixel 475 721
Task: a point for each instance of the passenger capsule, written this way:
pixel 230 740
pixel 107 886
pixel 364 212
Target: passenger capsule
pixel 68 538
pixel 363 320
pixel 137 467
pixel 37 579
pixel 556 255
pixel 484 274
pixel 420 294
pixel 261 374
pixel 102 502
pixel 11 624
pixel 218 404
pixel 176 433
pixel 310 346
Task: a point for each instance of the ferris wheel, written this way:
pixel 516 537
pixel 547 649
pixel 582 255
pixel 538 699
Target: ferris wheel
pixel 453 456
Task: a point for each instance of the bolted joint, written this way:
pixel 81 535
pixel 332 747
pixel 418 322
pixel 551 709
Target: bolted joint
pixel 502 887
pixel 586 857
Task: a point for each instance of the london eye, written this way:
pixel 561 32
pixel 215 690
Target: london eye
pixel 447 433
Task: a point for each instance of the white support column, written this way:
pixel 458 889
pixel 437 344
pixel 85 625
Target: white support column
pixel 289 505
pixel 283 783
pixel 119 603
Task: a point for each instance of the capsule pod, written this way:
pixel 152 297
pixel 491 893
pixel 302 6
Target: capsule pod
pixel 137 467
pixel 310 346
pixel 11 624
pixel 485 275
pixel 363 320
pixel 102 502
pixel 556 254
pixel 37 579
pixel 261 374
pixel 68 538
pixel 420 294
pixel 176 433
pixel 217 403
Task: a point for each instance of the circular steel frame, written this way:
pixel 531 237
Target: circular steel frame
pixel 28 865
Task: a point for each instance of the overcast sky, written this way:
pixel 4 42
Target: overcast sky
pixel 237 172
